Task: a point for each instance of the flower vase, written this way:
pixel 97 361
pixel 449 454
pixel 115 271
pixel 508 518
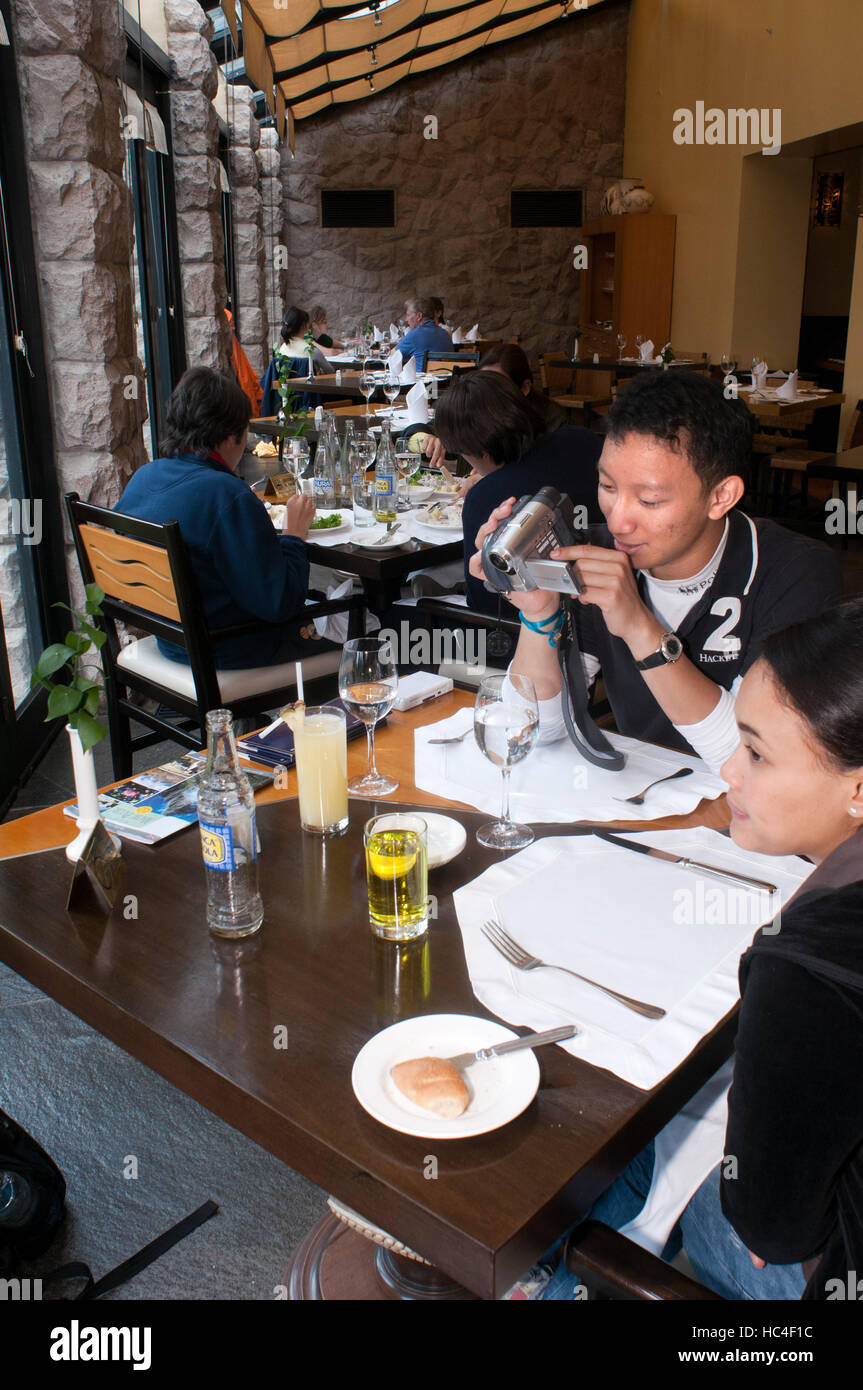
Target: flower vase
pixel 86 795
pixel 311 375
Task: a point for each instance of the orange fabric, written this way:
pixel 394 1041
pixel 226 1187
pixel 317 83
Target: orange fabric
pixel 244 371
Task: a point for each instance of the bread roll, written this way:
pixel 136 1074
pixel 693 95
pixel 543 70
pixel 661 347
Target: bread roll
pixel 434 1084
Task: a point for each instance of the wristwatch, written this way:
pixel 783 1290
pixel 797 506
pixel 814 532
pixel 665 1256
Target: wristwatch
pixel 670 649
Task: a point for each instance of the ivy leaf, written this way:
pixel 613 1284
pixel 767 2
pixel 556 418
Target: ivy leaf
pixel 84 683
pixel 91 701
pixel 51 660
pixel 94 594
pixel 77 643
pixel 89 729
pixel 63 700
pixel 96 637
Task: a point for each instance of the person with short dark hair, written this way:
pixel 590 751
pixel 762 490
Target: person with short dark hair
pixel 680 588
pixel 424 335
pixel 320 328
pixel 512 361
pixel 486 419
pixel 437 308
pixel 245 570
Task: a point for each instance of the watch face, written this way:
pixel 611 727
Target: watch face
pixel 672 646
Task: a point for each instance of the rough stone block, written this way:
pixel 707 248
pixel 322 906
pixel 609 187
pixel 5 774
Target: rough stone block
pixel 85 27
pixel 187 15
pixel 196 68
pixel 243 167
pixel 196 182
pixel 194 123
pixel 72 111
pixel 198 231
pixel 80 211
pixel 208 342
pixel 248 241
pixel 268 160
pixel 87 308
pixel 90 409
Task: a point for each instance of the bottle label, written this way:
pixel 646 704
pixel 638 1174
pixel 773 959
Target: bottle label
pixel 383 485
pixel 323 487
pixel 218 845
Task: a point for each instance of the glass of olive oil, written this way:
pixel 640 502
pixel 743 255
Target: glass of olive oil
pixel 396 847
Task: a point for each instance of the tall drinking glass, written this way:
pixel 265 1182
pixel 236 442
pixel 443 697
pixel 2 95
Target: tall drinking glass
pixel 506 729
pixel 320 744
pixel 368 682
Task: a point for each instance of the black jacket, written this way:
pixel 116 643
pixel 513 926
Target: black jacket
pixel 767 579
pixel 795 1108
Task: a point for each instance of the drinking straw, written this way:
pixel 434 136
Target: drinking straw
pixel 299 670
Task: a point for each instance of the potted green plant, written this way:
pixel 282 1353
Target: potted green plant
pixel 76 699
pixel 667 355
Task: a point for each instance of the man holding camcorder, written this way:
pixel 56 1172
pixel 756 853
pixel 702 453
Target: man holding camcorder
pixel 677 588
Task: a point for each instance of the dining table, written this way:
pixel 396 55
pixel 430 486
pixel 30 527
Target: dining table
pixel 416 1219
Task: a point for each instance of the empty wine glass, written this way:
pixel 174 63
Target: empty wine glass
pixel 367 387
pixel 729 365
pixel 406 462
pixel 621 344
pixel 391 386
pixel 505 726
pixel 368 682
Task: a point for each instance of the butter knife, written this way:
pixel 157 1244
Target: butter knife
pixel 683 863
pixel 551 1035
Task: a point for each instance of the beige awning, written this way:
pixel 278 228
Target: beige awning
pixel 315 57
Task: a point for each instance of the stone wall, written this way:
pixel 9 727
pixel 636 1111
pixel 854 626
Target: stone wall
pixel 69 54
pixel 545 111
pixel 273 167
pixel 197 185
pixel 250 320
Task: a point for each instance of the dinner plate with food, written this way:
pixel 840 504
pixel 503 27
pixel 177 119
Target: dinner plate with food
pixel 331 521
pixel 437 519
pixel 402 1077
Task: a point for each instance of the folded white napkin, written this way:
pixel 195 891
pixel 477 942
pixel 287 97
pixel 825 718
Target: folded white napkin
pixel 554 783
pixel 394 362
pixel 788 390
pixel 759 376
pixel 379 337
pixel 334 626
pixel 408 374
pixel 458 336
pixel 417 402
pixel 641 926
pixel 394 333
pixel 472 334
pixel 646 351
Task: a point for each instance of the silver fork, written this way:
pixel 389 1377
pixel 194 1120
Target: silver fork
pixel 517 956
pixel 638 799
pixel 457 738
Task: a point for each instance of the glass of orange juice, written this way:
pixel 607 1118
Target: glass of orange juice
pixel 320 744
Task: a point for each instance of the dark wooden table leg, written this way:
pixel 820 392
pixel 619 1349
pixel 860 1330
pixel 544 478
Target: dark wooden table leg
pixel 335 1263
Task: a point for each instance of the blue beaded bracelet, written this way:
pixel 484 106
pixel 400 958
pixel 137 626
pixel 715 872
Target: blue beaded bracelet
pixel 551 632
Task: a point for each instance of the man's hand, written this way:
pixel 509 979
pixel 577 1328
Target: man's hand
pixel 535 604
pixel 608 580
pixel 299 515
pixel 472 477
pixel 434 450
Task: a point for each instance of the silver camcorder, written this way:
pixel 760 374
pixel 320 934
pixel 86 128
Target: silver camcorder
pixel 515 556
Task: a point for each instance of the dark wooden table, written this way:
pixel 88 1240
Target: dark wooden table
pixel 205 1015
pixel 613 364
pixel 382 572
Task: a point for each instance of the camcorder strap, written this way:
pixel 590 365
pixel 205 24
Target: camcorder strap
pixel 588 739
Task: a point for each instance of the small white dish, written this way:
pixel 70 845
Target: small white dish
pixel 446 838
pixel 374 539
pixel 346 521
pixel 418 495
pixel 500 1089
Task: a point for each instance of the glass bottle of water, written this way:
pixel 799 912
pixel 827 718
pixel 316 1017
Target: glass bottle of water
pixel 386 474
pixel 344 476
pixel 325 466
pixel 226 815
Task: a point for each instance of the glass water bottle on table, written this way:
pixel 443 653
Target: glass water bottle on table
pixel 506 726
pixel 226 817
pixel 386 478
pixel 368 683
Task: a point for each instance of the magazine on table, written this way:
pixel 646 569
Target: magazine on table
pixel 159 802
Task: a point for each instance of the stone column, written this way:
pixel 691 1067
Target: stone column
pixel 250 317
pixel 275 240
pixel 69 53
pixel 195 136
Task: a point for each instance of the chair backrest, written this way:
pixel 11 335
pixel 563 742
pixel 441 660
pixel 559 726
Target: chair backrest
pixel 144 570
pixel 452 359
pixel 555 371
pixel 854 432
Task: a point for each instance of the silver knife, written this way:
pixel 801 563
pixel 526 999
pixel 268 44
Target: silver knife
pixel 683 863
pixel 551 1035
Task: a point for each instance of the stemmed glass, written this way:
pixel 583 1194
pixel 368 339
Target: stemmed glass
pixel 391 386
pixel 297 456
pixel 367 387
pixel 729 365
pixel 639 339
pixel 621 344
pixel 506 729
pixel 368 682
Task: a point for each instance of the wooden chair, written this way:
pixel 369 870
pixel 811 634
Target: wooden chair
pixel 144 570
pixel 799 461
pixel 610 1266
pixel 445 361
pixel 557 378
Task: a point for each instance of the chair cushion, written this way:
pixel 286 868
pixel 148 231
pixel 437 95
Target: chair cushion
pixel 143 658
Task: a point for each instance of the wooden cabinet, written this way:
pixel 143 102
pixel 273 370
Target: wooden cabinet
pixel 626 287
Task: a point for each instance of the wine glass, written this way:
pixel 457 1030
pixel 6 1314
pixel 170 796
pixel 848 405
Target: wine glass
pixel 639 339
pixel 406 462
pixel 505 725
pixel 367 387
pixel 621 344
pixel 368 682
pixel 362 351
pixel 297 456
pixel 391 386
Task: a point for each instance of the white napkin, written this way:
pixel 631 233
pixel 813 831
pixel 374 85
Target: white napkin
pixel 554 783
pixel 408 374
pixel 646 351
pixel 458 336
pixel 394 333
pixel 472 334
pixel 334 626
pixel 379 337
pixel 417 402
pixel 788 390
pixel 641 926
pixel 394 362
